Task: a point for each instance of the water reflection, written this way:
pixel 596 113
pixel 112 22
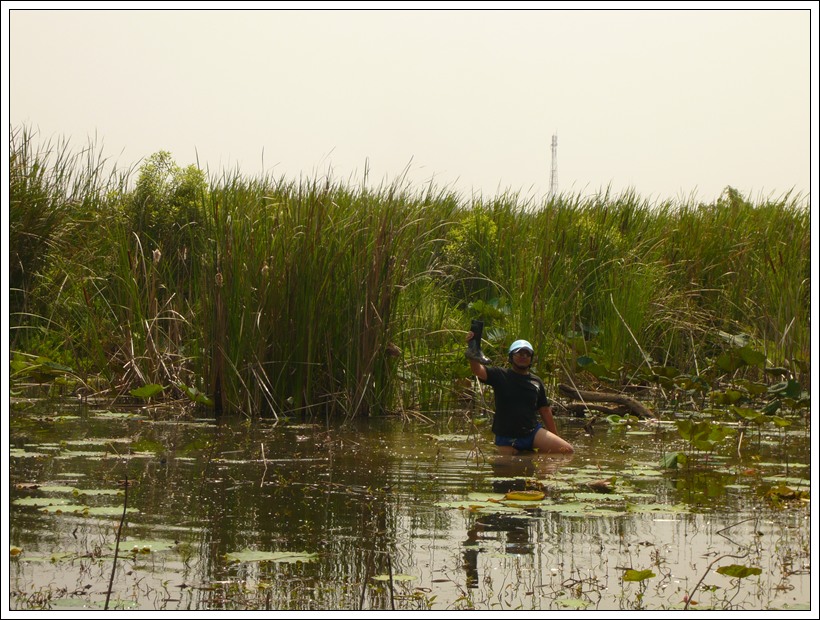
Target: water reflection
pixel 510 473
pixel 379 507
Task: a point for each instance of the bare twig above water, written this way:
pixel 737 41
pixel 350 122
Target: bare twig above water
pixel 117 546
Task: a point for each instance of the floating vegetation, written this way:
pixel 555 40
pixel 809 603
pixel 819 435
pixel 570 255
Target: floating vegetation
pixel 136 546
pixel 248 555
pixel 452 438
pixel 638 575
pixel 21 453
pixel 213 531
pixel 525 496
pixel 397 577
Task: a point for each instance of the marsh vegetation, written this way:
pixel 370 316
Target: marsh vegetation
pixel 264 297
pixel 276 367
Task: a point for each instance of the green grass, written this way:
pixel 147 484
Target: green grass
pixel 278 297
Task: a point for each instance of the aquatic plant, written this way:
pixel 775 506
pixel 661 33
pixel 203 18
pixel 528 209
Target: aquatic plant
pixel 275 297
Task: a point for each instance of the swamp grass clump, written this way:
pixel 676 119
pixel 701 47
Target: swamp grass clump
pixel 272 297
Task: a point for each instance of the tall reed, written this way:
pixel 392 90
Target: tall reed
pixel 280 297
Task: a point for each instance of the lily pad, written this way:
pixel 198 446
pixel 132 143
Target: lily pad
pixel 659 508
pixel 71 454
pixel 638 575
pixel 599 497
pixel 485 497
pixel 494 508
pixel 450 437
pixel 573 603
pixel 570 508
pixel 57 489
pixel 739 571
pixel 642 472
pixel 40 501
pixel 96 441
pixel 458 504
pixel 52 558
pixel 95 511
pixel 248 555
pixel 59 509
pixel 116 604
pixel 528 496
pixel 787 480
pixel 145 546
pixel 78 492
pixel 109 511
pixel 399 577
pixel 115 414
pixel 21 453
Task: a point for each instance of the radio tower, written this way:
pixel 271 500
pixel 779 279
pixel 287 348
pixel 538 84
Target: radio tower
pixel 554 167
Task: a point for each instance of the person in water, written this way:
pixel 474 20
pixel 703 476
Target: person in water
pixel 523 414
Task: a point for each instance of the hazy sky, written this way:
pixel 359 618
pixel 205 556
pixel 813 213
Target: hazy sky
pixel 670 103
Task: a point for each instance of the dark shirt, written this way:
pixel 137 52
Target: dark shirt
pixel 517 401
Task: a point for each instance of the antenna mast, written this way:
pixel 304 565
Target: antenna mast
pixel 554 167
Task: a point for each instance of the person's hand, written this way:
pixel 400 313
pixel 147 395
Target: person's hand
pixel 470 336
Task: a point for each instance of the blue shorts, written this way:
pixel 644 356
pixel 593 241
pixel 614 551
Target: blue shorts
pixel 519 443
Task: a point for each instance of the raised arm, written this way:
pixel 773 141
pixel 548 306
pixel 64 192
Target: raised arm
pixel 477 367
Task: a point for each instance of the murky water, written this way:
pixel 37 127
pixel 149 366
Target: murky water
pixel 393 514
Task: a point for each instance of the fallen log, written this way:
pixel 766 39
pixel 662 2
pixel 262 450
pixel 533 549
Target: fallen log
pixel 580 410
pixel 607 397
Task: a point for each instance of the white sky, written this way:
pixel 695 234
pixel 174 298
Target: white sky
pixel 670 103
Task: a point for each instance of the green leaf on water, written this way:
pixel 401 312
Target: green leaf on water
pixel 598 497
pixel 40 501
pixel 21 453
pixel 57 489
pixel 78 492
pixel 738 571
pixel 116 414
pixel 746 413
pixel 99 441
pixel 108 511
pixel 790 389
pixel 658 508
pixel 505 508
pixel 485 497
pixel 195 395
pixel 782 480
pixel 88 511
pixel 450 437
pixel 249 555
pixel 116 604
pixel 147 391
pixel 671 460
pixel 573 603
pixel 144 546
pixel 399 577
pixel 58 509
pixel 638 575
pixel 725 397
pixel 570 508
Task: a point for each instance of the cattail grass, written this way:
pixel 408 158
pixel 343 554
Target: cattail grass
pixel 278 298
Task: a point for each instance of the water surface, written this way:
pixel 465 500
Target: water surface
pixel 395 514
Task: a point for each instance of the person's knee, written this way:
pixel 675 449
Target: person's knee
pixel 546 441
